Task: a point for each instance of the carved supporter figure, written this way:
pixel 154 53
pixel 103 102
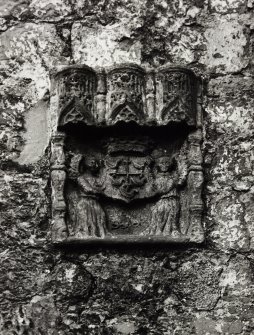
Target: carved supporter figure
pixel 90 216
pixel 170 174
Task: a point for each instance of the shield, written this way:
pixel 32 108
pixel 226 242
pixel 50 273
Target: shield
pixel 127 177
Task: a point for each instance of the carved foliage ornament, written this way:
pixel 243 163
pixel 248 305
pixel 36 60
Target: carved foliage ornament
pixel 126 158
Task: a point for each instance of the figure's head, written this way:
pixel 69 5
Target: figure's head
pixel 91 164
pixel 165 163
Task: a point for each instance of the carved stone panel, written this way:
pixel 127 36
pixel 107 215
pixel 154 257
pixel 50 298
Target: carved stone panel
pixel 126 89
pixel 126 157
pixel 175 96
pixel 76 92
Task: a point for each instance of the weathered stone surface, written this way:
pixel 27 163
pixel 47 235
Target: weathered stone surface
pixel 197 291
pixel 102 45
pixel 33 10
pixel 230 161
pixel 225 45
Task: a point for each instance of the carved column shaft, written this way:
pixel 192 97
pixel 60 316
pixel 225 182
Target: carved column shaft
pixel 194 154
pixel 58 176
pixel 150 95
pixel 195 183
pixel 101 96
pixel 199 119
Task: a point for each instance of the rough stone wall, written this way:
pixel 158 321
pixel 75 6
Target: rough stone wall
pixel 206 290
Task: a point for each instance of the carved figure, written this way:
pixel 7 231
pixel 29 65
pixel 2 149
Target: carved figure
pixel 165 217
pixel 165 214
pixel 171 173
pixel 90 216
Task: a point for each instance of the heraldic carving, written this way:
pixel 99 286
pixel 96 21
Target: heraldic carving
pixel 126 163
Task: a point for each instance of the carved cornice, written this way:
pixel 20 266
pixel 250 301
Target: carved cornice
pixel 127 93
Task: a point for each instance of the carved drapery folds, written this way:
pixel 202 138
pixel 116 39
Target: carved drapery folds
pixel 126 156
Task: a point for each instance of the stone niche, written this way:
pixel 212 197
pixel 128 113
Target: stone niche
pixel 126 163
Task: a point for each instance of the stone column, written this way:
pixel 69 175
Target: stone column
pixel 150 95
pixel 58 176
pixel 199 118
pixel 101 96
pixel 195 181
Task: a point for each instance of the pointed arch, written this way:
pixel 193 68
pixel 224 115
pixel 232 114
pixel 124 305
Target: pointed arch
pixel 127 112
pixel 75 112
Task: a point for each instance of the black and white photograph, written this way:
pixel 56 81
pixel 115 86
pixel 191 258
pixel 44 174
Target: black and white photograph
pixel 126 167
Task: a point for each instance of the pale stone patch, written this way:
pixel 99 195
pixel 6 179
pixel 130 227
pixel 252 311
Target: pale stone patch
pixel 122 327
pixel 229 118
pixel 223 6
pixel 11 6
pixel 193 11
pixel 70 273
pixel 37 134
pixel 101 46
pixel 36 49
pixel 206 326
pixel 236 276
pixel 230 232
pixel 39 76
pixel 225 45
pixel 138 287
pixel 50 7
